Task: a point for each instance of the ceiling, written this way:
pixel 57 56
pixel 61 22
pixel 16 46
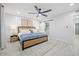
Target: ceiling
pixel 24 8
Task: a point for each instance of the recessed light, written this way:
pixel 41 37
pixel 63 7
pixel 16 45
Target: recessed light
pixel 18 13
pixel 77 16
pixel 71 4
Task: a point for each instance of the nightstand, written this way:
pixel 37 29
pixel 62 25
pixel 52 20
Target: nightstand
pixel 13 38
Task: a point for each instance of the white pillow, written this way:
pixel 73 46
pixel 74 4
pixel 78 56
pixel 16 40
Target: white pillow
pixel 34 30
pixel 24 31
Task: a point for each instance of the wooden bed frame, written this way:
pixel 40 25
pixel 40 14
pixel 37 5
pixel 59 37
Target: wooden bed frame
pixel 32 42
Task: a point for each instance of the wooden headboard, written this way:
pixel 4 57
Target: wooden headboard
pixel 25 28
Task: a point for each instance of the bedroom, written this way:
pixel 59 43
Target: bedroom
pixel 58 25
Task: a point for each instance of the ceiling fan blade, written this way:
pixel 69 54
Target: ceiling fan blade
pixel 36 8
pixel 49 20
pixel 46 11
pixel 31 13
pixel 43 14
pixel 37 15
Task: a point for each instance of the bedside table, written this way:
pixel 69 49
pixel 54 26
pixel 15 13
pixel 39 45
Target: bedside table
pixel 13 38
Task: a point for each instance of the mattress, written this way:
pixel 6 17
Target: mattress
pixel 29 36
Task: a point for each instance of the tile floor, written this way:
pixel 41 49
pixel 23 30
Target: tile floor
pixel 49 48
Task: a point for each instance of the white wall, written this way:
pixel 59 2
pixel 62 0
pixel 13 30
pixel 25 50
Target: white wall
pixel 10 20
pixel 42 27
pixel 62 28
pixel 36 24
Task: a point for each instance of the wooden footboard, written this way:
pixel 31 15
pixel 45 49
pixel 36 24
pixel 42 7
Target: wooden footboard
pixel 32 42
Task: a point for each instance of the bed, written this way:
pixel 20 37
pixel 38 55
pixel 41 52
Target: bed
pixel 28 39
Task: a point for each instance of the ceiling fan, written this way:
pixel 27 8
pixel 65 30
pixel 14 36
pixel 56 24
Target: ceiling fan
pixel 39 12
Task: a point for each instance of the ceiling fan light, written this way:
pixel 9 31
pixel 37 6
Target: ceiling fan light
pixel 39 14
